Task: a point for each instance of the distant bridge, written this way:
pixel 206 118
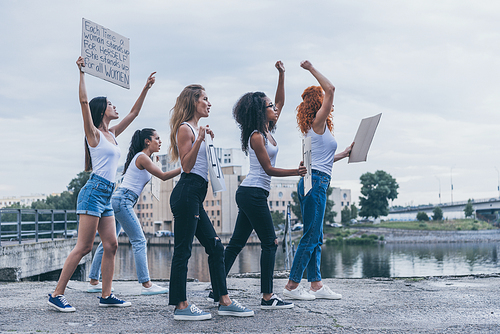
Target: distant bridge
pixel 486 209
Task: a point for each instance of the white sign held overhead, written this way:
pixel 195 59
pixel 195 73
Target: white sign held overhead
pixel 364 138
pixel 306 158
pixel 214 169
pixel 106 54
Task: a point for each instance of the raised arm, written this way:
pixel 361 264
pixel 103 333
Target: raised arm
pixel 279 98
pixel 258 145
pixel 323 112
pixel 91 132
pixel 144 162
pixel 134 112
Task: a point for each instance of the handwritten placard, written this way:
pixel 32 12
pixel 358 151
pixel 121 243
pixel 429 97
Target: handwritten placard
pixel 106 54
pixel 156 182
pixel 307 159
pixel 214 169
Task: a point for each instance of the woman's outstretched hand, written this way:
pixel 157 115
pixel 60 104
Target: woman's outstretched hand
pixel 279 65
pixel 150 81
pixel 80 63
pixel 302 170
pixel 306 64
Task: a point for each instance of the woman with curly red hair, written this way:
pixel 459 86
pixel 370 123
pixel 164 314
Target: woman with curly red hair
pixel 314 116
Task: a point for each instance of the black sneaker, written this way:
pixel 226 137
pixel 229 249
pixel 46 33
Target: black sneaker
pixel 275 303
pixel 211 298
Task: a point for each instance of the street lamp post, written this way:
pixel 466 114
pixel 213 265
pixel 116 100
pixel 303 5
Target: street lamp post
pixel 498 184
pixel 439 189
pixel 451 180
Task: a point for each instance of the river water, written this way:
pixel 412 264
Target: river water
pixel 384 260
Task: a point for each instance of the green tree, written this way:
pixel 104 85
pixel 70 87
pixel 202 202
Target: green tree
pixel 422 216
pixel 278 218
pixel 438 213
pixel 469 209
pixel 354 211
pixel 329 213
pixel 377 189
pixel 295 206
pixel 345 215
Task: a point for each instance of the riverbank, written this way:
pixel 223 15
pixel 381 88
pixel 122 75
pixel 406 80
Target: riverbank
pixel 427 305
pixel 428 236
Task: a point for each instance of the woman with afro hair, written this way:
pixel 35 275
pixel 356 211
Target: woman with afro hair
pixel 256 116
pixel 314 117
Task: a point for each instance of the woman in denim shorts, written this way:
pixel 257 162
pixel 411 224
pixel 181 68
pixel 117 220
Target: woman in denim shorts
pixel 257 116
pixel 314 116
pixel 187 143
pixel 137 172
pixel 94 200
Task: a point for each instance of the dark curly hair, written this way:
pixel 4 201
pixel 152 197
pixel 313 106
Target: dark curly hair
pixel 250 114
pixel 312 99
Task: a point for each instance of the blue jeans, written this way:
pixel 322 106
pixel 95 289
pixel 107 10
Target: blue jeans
pixel 312 205
pixel 94 197
pixel 254 214
pixel 123 202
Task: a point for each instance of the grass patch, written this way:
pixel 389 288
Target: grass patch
pixel 365 239
pixel 439 225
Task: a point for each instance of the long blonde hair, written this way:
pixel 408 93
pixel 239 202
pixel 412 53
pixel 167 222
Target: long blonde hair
pixel 183 111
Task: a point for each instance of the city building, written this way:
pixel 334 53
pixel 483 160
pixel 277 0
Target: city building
pixel 22 200
pixel 341 199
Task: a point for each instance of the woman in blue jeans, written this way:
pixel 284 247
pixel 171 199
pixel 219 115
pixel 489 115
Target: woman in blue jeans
pixel 187 143
pixel 94 199
pixel 257 116
pixel 137 172
pixel 314 116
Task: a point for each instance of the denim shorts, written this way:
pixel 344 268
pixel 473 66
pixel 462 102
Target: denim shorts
pixel 94 198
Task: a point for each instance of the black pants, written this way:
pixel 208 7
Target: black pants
pixel 190 219
pixel 254 214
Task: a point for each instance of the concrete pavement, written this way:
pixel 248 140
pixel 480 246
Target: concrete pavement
pixel 429 305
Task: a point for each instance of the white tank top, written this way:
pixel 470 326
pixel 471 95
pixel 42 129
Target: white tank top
pixel 257 176
pixel 323 149
pixel 105 158
pixel 135 179
pixel 201 165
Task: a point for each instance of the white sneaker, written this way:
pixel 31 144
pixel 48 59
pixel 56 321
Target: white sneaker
pixel 97 288
pixel 153 290
pixel 298 293
pixel 325 293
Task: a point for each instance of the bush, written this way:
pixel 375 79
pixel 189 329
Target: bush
pixel 438 213
pixel 422 216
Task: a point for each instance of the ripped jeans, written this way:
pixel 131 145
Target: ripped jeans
pixel 190 220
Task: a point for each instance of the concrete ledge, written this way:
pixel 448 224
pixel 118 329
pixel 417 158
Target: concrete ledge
pixel 36 258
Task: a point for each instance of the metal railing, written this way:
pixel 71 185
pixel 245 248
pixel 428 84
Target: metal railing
pixel 35 224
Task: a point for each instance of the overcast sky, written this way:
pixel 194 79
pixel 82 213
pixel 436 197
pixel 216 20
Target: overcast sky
pixel 431 68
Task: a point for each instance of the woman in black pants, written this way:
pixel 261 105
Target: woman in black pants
pixel 256 116
pixel 187 143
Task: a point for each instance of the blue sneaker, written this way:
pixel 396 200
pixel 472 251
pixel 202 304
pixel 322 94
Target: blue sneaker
pixel 60 303
pixel 235 309
pixel 191 313
pixel 112 301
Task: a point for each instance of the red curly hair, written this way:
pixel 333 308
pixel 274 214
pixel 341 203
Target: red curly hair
pixel 312 99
